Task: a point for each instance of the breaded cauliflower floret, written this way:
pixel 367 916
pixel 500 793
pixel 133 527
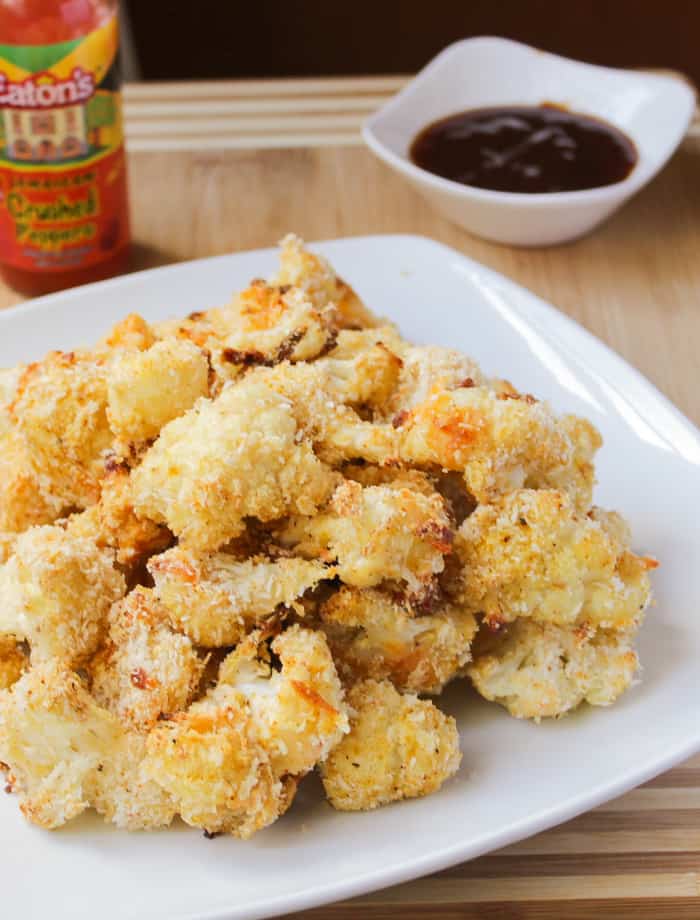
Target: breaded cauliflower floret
pixel 313 274
pixel 145 670
pixel 299 710
pixel 113 524
pixel 215 599
pixel 230 761
pixel 539 670
pixel 147 389
pixel 531 555
pixel 429 369
pixel 322 395
pixel 61 411
pixel 236 456
pixel 66 753
pixel 501 442
pixel 377 533
pixel 55 591
pixel 267 324
pixel 24 500
pixel 371 635
pixel 399 747
pixel 13 662
pixel 211 763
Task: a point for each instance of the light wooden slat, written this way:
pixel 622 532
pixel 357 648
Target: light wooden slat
pixel 569 842
pixel 319 122
pixel 315 86
pixel 204 108
pixel 445 891
pixel 642 800
pixel 254 141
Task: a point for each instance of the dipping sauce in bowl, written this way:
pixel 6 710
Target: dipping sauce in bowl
pixel 531 149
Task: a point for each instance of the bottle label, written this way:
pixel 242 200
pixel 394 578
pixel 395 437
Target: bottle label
pixel 63 196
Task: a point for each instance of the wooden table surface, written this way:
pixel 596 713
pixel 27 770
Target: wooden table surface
pixel 232 166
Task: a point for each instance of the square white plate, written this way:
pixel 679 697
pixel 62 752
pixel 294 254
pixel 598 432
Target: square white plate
pixel 517 778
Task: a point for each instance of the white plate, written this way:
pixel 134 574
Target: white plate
pixel 517 778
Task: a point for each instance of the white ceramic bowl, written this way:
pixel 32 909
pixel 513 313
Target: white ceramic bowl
pixel 653 110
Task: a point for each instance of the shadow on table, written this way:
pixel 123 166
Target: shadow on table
pixel 144 256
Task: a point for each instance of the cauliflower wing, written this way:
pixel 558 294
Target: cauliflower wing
pixel 377 533
pixel 230 761
pixel 501 441
pixel 299 709
pixel 112 523
pixel 61 411
pixel 539 670
pixel 530 554
pixel 426 370
pixel 147 389
pixel 145 670
pixel 66 753
pixel 238 455
pixel 24 498
pixel 313 274
pixel 55 591
pixel 398 747
pixel 371 635
pixel 215 599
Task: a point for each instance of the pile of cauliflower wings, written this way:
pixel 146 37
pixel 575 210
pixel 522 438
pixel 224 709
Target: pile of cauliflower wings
pixel 259 541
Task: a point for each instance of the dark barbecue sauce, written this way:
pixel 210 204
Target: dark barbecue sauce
pixel 528 149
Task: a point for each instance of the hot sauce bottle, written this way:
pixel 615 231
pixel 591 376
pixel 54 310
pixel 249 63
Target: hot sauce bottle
pixel 64 217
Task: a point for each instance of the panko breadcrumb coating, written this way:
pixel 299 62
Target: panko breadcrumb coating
pixel 539 670
pixel 427 369
pixel 377 533
pixel 372 635
pixel 61 411
pixel 316 278
pixel 231 762
pixel 213 528
pixel 66 753
pixel 55 591
pixel 531 555
pixel 299 709
pixel 237 456
pixel 215 599
pixel 398 747
pixel 112 523
pixel 145 670
pixel 24 498
pixel 501 442
pixel 148 389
